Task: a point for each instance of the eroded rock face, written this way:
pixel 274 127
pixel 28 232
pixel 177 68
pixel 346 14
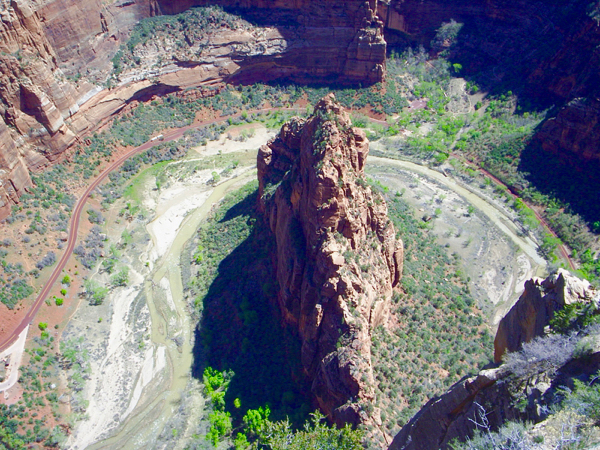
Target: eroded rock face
pixel 338 258
pixel 536 307
pixel 503 393
pixel 574 134
pixel 46 47
pixel 450 416
pixel 493 395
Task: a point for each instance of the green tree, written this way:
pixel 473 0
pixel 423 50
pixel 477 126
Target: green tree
pixel 121 278
pixel 316 434
pixel 255 419
pixel 220 426
pixel 95 292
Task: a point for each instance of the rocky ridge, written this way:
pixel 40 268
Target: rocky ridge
pixel 338 258
pixel 524 386
pixel 536 307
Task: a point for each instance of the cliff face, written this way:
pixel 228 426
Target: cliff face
pixel 47 47
pixel 523 388
pixel 338 258
pixel 333 40
pixel 574 134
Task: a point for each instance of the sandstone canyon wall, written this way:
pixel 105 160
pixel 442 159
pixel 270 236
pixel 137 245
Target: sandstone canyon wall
pixel 337 259
pixel 56 55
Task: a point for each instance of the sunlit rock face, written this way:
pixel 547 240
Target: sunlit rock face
pixel 338 258
pixel 57 55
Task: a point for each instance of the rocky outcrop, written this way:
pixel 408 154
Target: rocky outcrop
pixel 489 400
pixel 536 307
pixel 338 258
pixel 450 416
pixel 525 386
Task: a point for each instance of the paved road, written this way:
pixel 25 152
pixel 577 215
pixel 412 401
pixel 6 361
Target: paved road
pixel 9 339
pixel 75 218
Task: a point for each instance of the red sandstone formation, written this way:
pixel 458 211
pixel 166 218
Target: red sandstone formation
pixel 46 47
pixel 338 258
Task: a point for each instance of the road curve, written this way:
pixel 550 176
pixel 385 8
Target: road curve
pixel 76 216
pixel 167 137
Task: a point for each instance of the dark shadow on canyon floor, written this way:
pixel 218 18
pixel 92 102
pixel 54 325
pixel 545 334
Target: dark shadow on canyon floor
pixel 521 46
pixel 241 328
pixel 564 180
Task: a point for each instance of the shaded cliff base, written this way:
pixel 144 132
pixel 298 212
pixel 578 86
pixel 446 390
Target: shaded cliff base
pixel 240 328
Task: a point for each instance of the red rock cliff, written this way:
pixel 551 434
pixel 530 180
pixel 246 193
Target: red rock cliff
pixel 56 55
pixel 338 258
pixel 536 307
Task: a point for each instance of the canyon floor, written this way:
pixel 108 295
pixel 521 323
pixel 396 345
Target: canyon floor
pixel 140 338
pixel 139 341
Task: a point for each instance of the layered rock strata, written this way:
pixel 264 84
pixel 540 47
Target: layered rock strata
pixel 55 57
pixel 338 258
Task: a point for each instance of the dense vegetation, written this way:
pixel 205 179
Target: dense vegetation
pixel 21 424
pixel 441 335
pixel 257 431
